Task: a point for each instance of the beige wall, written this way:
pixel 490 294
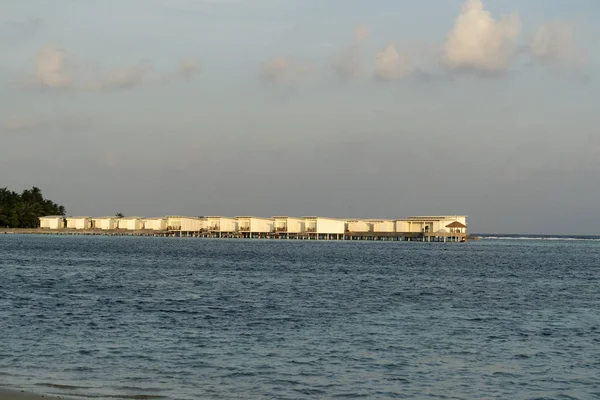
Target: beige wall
pixel 288 224
pixel 384 226
pixel 78 223
pixel 174 223
pixel 359 226
pixel 261 225
pixel 310 225
pixel 222 224
pixel 403 226
pixel 334 226
pixel 130 224
pixel 193 224
pixel 155 224
pixel 105 223
pixel 52 223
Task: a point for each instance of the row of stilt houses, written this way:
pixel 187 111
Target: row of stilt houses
pixel 425 228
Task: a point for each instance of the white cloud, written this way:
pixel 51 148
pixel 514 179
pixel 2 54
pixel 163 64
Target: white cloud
pixel 125 78
pixel 52 71
pixel 361 33
pixel 283 70
pixel 50 68
pixel 390 65
pixel 273 70
pixel 480 43
pixel 553 46
pixel 188 68
pixel 349 63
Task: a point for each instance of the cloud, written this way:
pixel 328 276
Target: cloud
pixel 478 43
pixel 283 70
pixel 52 71
pixel 554 47
pixel 50 68
pixel 274 70
pixel 361 33
pixel 188 68
pixel 425 76
pixel 390 65
pixel 349 64
pixel 124 78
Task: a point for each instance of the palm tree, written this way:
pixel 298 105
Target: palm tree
pixel 23 210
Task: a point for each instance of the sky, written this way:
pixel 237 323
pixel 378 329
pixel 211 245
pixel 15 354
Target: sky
pixel 339 108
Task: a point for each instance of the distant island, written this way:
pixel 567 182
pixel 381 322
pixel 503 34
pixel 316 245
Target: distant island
pixel 24 210
pixel 30 212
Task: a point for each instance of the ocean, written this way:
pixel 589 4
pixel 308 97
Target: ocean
pixel 175 318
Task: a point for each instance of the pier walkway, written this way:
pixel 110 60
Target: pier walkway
pixel 357 236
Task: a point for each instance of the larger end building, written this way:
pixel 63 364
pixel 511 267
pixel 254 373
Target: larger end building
pixel 433 224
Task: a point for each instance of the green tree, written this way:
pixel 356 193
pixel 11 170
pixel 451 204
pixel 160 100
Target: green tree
pixel 23 210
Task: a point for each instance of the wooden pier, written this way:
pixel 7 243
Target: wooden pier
pixel 454 237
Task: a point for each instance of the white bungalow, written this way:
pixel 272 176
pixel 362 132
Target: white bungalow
pixel 325 227
pixel 155 224
pixel 131 223
pixel 79 222
pixel 185 224
pixel 174 222
pixel 221 224
pixel 52 222
pixel 105 223
pixel 191 224
pixel 288 225
pixel 253 225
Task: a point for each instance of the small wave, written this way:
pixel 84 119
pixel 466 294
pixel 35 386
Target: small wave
pixel 79 369
pixel 238 375
pixel 285 382
pixel 310 392
pixel 63 387
pixel 120 396
pixel 141 389
pixel 504 374
pixel 549 238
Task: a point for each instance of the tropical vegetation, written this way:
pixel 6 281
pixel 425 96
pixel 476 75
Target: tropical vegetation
pixel 23 210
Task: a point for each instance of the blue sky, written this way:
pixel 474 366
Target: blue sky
pixel 341 108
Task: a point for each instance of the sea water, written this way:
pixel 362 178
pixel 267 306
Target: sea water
pixel 174 318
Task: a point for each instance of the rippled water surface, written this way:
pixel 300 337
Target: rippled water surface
pixel 225 319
